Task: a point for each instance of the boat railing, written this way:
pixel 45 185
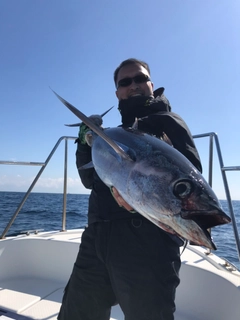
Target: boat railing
pixel 43 166
pixel 213 138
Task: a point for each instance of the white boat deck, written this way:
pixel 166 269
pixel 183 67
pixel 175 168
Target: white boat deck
pixel 35 269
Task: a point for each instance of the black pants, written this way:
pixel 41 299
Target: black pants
pixel 129 262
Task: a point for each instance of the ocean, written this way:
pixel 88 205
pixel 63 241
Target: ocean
pixel 43 211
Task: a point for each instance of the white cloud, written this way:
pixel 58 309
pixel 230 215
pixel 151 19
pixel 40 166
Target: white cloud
pixel 46 184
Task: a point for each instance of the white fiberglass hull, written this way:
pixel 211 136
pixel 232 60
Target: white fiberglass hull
pixel 34 270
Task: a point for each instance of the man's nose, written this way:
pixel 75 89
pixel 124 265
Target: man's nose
pixel 134 85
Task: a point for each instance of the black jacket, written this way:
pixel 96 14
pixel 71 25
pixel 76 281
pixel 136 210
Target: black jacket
pixel 156 119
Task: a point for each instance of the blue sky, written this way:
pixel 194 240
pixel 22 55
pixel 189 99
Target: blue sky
pixel 192 47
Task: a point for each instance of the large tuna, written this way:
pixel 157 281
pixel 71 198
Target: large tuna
pixel 156 180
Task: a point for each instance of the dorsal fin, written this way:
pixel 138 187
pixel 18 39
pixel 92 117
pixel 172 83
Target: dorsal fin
pixel 135 124
pixel 78 124
pixel 166 139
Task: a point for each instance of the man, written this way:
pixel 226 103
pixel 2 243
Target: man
pixel 123 258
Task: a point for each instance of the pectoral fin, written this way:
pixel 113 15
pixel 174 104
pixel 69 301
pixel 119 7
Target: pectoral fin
pixel 94 128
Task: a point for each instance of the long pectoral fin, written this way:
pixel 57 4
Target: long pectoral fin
pixel 92 126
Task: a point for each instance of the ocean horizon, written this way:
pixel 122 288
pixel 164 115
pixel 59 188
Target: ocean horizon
pixel 43 211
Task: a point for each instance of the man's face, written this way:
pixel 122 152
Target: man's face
pixel 142 87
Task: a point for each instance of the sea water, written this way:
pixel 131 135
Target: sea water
pixel 43 211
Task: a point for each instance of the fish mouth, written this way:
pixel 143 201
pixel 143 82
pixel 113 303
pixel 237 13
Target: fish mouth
pixel 208 218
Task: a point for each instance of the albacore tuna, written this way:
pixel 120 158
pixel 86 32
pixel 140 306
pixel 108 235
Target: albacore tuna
pixel 156 180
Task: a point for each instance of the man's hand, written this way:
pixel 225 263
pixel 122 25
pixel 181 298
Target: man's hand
pixel 84 129
pixel 121 202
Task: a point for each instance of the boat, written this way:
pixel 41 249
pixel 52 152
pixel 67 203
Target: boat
pixel 35 266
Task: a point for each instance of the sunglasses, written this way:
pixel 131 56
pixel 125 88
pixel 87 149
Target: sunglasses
pixel 125 82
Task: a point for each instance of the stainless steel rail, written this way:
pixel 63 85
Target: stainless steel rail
pixel 212 138
pixel 43 166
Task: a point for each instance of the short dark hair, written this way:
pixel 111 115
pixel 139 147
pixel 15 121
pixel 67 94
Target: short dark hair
pixel 127 62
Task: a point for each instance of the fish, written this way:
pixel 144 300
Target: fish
pixel 156 180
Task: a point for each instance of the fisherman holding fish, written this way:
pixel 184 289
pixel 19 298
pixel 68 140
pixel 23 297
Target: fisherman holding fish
pixel 124 258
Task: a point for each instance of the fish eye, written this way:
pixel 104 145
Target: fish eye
pixel 182 188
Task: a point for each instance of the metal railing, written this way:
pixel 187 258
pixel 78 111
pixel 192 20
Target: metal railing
pixel 43 166
pixel 212 138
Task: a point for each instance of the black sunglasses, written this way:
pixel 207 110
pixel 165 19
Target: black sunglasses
pixel 125 82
